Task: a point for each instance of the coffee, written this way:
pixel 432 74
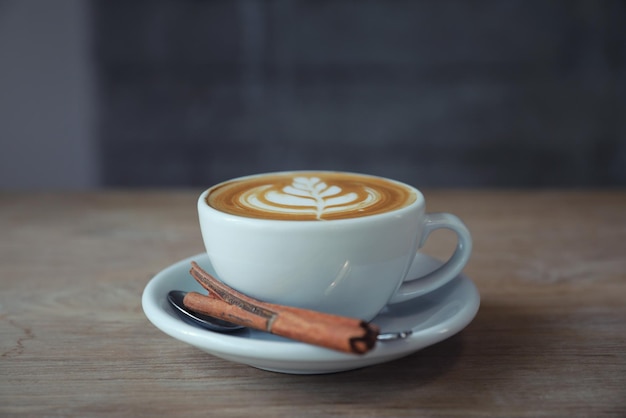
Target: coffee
pixel 313 195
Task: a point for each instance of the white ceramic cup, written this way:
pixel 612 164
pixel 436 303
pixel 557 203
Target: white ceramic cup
pixel 352 267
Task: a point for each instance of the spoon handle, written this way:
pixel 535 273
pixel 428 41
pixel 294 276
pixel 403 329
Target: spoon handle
pixel 331 331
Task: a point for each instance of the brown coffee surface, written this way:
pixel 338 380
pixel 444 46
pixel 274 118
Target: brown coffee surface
pixel 311 195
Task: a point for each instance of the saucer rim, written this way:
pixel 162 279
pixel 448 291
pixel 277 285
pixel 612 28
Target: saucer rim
pixel 296 357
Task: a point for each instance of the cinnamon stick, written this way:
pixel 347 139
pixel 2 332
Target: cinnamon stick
pixel 326 330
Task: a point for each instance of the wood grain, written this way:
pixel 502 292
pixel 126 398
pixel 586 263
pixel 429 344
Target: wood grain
pixel 549 339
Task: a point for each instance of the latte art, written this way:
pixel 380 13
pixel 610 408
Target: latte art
pixel 309 196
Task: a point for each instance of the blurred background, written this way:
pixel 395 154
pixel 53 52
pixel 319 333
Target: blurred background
pixel 165 93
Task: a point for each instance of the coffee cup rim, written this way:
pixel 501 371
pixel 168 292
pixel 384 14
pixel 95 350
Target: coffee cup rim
pixel 418 202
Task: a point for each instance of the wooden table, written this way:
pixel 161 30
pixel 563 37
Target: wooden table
pixel 549 339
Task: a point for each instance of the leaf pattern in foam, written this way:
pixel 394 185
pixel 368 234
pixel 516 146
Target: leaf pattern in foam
pixel 313 193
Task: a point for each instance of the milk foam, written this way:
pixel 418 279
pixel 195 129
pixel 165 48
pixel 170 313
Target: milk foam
pixel 307 195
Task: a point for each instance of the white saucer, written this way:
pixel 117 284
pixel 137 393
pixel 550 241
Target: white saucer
pixel 433 317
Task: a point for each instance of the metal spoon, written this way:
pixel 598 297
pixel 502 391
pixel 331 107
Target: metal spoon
pixel 175 297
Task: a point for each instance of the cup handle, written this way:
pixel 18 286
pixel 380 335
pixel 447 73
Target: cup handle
pixel 418 286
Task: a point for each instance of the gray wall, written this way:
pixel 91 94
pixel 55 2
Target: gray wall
pixel 47 96
pixel 518 93
pixel 439 93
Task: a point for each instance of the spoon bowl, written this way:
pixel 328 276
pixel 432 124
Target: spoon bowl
pixel 175 298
